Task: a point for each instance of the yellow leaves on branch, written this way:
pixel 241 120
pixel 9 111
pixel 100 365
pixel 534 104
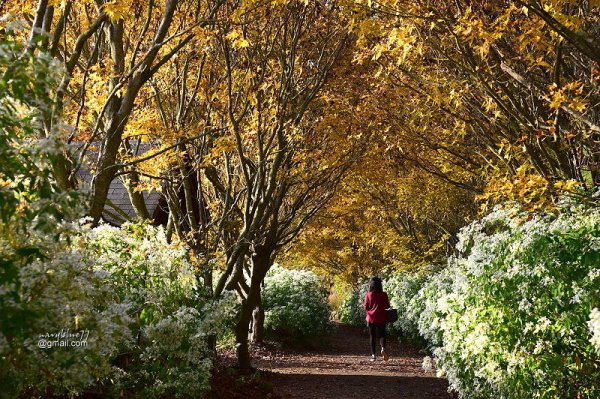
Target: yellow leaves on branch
pixel 18 7
pixel 147 125
pixel 115 10
pixel 569 95
pixel 482 33
pixel 202 38
pixel 401 40
pixel 153 163
pixel 57 3
pixel 223 144
pixel 237 39
pixel 527 188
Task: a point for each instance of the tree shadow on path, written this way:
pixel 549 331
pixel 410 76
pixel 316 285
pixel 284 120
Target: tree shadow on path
pixel 341 369
pixel 335 386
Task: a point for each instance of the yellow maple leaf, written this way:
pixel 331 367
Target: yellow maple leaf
pixel 115 10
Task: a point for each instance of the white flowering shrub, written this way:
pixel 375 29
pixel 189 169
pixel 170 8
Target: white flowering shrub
pixel 144 268
pixel 62 292
pixel 423 310
pixel 401 289
pixel 510 317
pixel 175 359
pixel 295 301
pixel 351 310
pixel 173 314
pixel 147 320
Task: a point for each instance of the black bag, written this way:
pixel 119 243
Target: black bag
pixel 391 315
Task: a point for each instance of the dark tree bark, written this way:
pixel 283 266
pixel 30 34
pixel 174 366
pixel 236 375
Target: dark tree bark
pixel 261 262
pixel 258 323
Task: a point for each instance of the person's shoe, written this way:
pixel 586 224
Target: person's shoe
pixel 372 359
pixel 384 354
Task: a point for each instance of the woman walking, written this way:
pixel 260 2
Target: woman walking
pixel 375 304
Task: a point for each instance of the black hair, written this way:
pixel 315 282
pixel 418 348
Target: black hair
pixel 375 285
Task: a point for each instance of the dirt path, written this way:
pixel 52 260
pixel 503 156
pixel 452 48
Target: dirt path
pixel 342 370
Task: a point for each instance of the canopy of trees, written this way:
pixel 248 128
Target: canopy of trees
pixel 349 136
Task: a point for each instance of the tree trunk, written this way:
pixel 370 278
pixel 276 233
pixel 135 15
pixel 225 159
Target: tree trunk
pixel 117 113
pixel 101 182
pixel 61 167
pixel 211 342
pixel 258 323
pixel 208 277
pixel 241 333
pixel 261 261
pixel 136 197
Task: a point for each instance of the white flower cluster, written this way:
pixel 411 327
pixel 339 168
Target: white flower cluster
pixel 428 363
pixel 176 358
pixel 218 315
pixel 295 301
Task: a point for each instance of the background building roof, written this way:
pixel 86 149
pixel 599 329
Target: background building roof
pixel 118 208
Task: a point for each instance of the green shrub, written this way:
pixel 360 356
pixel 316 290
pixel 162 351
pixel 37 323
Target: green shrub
pixel 594 325
pixel 60 292
pixel 351 311
pixel 295 301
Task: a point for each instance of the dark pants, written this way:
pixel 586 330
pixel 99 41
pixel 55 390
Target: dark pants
pixel 376 330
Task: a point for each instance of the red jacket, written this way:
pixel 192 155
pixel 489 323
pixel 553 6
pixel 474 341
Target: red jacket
pixel 375 304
